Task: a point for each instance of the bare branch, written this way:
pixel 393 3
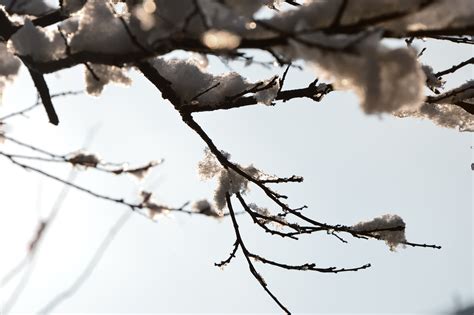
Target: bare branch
pixel 455 67
pixel 252 269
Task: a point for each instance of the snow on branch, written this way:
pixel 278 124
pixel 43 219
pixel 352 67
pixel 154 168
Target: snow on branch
pixel 451 109
pixel 343 41
pixel 196 86
pixel 9 66
pixel 390 228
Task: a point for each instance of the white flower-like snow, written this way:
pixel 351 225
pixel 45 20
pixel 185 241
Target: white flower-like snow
pixel 389 227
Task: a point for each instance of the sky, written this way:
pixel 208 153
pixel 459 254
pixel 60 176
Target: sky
pixel 355 166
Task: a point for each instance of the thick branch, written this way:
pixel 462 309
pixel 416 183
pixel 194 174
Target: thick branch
pixel 43 91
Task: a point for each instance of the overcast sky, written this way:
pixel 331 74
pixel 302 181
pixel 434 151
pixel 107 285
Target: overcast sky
pixel 356 167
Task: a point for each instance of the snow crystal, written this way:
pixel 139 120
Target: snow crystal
pixel 38 43
pixel 105 75
pixel 387 221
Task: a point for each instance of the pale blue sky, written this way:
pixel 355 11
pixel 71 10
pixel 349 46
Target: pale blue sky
pixel 355 167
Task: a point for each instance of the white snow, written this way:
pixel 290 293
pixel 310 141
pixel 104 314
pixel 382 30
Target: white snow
pixel 275 221
pixel 267 96
pixel 384 79
pixel 106 75
pixel 431 80
pixel 9 66
pixel 231 182
pixel 209 167
pixel 387 221
pixel 194 85
pixel 100 31
pixel 227 180
pixel 443 111
pixel 154 209
pixel 444 115
pixel 461 93
pixel 37 43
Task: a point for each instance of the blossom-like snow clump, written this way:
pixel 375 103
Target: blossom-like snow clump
pixel 389 227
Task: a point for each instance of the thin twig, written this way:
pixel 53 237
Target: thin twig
pixel 252 269
pixel 455 67
pixel 87 272
pixel 29 108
